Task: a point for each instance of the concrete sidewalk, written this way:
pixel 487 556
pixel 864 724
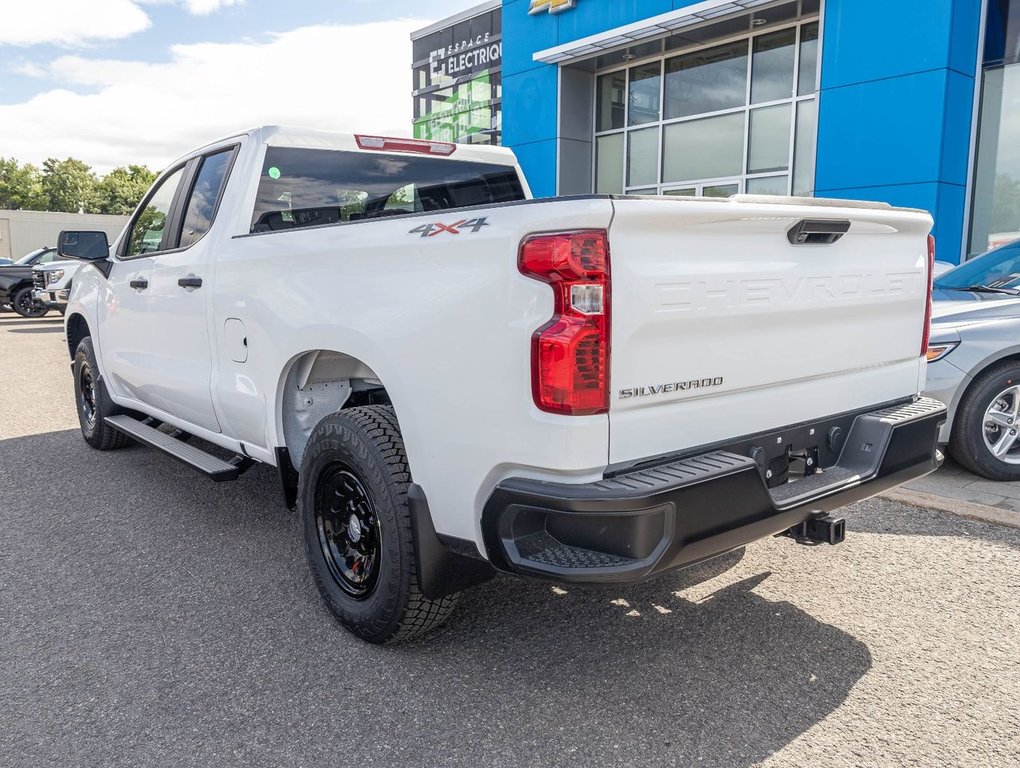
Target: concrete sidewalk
pixel 954 489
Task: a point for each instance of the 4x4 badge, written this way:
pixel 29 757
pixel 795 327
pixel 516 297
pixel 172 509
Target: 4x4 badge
pixel 431 230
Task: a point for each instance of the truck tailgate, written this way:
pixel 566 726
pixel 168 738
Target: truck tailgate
pixel 723 328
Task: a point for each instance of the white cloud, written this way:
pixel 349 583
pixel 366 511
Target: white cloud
pixel 71 22
pixel 196 7
pixel 202 7
pixel 345 78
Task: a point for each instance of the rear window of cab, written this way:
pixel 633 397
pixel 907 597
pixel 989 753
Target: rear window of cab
pixel 308 187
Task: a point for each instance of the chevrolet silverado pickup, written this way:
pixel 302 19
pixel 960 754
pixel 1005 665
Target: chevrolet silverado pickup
pixel 453 379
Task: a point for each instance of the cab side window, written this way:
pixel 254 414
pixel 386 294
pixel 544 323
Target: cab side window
pixel 150 224
pixel 204 196
pixel 47 257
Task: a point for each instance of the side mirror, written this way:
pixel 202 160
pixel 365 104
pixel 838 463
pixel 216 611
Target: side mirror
pixel 86 246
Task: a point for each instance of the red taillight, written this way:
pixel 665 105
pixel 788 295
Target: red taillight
pixel 386 144
pixel 570 353
pixel 927 309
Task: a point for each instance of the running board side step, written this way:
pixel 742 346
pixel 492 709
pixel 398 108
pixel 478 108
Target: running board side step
pixel 214 467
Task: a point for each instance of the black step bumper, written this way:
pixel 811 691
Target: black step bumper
pixel 642 523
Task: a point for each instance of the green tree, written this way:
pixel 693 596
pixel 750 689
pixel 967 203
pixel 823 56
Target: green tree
pixel 20 186
pixel 122 189
pixel 69 186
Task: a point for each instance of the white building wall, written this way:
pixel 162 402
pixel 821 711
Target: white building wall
pixel 24 231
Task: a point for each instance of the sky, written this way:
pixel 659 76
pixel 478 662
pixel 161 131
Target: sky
pixel 114 82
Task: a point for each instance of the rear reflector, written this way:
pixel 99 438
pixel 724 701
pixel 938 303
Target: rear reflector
pixel 386 144
pixel 570 353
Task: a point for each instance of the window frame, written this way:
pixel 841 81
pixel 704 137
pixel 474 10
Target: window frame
pixel 170 241
pixel 662 57
pixel 191 179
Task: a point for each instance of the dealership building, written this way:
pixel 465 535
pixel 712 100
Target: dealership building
pixel 912 102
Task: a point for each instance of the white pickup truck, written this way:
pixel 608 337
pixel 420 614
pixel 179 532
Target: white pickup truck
pixel 454 379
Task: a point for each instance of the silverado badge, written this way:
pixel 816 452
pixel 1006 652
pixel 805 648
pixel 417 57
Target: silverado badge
pixel 673 386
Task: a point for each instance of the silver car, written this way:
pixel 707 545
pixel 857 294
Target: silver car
pixel 974 361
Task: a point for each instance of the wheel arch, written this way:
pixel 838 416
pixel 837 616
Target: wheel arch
pixel 317 382
pixel 1008 355
pixel 77 329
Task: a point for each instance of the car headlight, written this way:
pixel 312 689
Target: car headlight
pixel 54 276
pixel 938 350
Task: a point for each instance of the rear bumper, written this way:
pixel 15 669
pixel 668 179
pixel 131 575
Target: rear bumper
pixel 642 523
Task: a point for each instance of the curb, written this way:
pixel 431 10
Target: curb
pixel 967 509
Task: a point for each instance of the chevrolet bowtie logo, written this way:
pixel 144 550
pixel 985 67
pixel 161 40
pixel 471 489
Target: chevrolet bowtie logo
pixel 553 6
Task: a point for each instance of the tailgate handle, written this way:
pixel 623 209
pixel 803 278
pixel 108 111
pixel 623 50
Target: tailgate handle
pixel 818 232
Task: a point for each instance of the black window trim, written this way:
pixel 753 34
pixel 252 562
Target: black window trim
pixel 175 216
pixel 125 242
pixel 192 179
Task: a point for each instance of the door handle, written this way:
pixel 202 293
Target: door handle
pixel 190 282
pixel 141 284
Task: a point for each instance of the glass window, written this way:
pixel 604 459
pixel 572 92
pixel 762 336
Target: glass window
pixel 770 139
pixel 996 269
pixel 804 149
pixel 205 196
pixel 704 149
pixel 721 190
pixel 612 108
pixel 148 227
pixel 683 192
pixel 609 164
pixel 808 60
pixel 996 214
pixel 772 66
pixel 726 115
pixel 645 83
pixel 48 257
pixel 768 185
pixel 305 187
pixel 643 157
pixel 707 81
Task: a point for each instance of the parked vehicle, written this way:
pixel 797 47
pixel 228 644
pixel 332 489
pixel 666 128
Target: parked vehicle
pixel 452 378
pixel 5 262
pixel 975 361
pixel 16 283
pixel 52 283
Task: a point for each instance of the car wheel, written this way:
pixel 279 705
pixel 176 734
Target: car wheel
pixel 986 435
pixel 96 432
pixel 25 305
pixel 352 501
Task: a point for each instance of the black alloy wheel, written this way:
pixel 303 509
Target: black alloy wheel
pixel 25 305
pixel 87 400
pixel 356 522
pixel 348 528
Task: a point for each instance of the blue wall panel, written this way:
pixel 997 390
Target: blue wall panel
pixel 539 162
pixel 896 106
pixel 537 89
pixel 873 39
pixel 881 132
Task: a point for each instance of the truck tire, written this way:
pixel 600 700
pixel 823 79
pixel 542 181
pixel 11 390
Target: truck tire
pixel 989 418
pixel 352 502
pixel 89 404
pixel 23 303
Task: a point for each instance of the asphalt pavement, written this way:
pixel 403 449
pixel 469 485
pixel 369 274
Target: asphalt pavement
pixel 151 617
